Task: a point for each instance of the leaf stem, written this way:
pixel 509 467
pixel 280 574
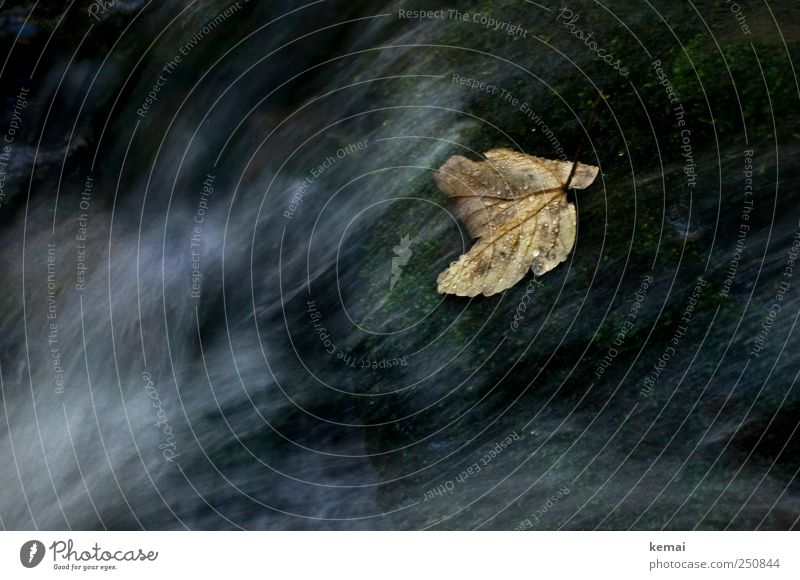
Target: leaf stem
pixel 582 142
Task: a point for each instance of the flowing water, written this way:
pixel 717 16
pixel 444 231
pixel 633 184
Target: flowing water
pixel 219 239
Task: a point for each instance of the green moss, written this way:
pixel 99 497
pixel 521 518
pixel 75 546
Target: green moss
pixel 741 80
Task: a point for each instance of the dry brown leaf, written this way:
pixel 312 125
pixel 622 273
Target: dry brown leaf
pixel 516 206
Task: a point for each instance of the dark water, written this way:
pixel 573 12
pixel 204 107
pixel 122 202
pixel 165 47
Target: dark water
pixel 219 240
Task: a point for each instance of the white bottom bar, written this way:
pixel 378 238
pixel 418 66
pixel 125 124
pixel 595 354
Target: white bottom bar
pixel 390 555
